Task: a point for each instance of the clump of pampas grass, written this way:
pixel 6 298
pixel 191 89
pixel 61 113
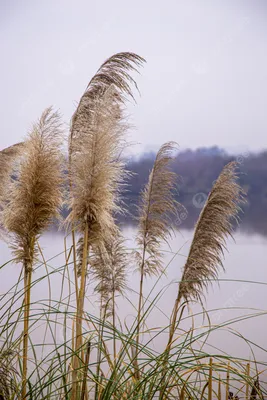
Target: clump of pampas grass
pixel 33 201
pixel 205 257
pixel 96 169
pixel 158 213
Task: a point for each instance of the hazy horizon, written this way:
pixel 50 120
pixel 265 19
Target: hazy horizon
pixel 204 83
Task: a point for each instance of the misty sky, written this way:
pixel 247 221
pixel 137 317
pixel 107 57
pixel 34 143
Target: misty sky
pixel 204 84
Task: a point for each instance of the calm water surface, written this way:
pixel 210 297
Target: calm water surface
pixel 242 290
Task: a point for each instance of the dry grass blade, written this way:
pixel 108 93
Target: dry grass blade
pixel 213 227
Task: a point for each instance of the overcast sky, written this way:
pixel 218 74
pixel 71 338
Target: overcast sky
pixel 204 84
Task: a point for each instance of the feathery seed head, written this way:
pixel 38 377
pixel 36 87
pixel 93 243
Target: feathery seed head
pixel 7 159
pixel 96 171
pixel 158 211
pixel 109 268
pixel 115 73
pixel 98 128
pixel 35 196
pixel 213 227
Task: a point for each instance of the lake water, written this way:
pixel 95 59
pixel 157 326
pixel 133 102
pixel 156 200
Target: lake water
pixel 241 290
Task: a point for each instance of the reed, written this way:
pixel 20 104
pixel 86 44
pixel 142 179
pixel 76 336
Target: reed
pixel 96 169
pixel 215 223
pixel 109 269
pixel 158 213
pixel 32 202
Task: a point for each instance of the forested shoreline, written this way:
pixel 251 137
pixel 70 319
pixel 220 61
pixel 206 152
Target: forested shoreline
pixel 198 169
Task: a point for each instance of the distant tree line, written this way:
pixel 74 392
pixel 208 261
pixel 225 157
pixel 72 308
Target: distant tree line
pixel 198 170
